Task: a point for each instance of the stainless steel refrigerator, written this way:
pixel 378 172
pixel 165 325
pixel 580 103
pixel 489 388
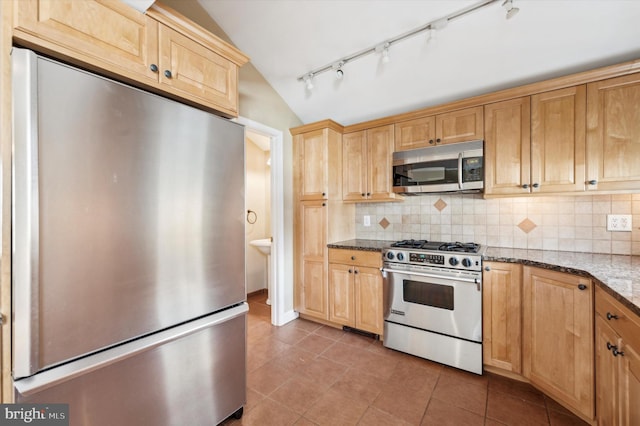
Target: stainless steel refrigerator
pixel 128 251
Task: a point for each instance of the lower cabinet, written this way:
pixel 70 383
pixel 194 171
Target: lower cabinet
pixel 355 289
pixel 538 325
pixel 617 363
pixel 557 337
pixel 502 316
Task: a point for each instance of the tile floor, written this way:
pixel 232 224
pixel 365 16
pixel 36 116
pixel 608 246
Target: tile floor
pixel 304 373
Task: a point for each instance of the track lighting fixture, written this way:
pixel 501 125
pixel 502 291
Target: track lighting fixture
pixel 338 68
pixel 511 11
pixel 432 35
pixel 383 48
pixel 308 81
pixel 385 53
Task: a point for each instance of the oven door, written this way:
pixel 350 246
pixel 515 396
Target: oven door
pixel 444 305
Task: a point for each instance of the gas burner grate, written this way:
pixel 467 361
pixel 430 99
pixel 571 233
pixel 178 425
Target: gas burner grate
pixel 460 247
pixel 413 244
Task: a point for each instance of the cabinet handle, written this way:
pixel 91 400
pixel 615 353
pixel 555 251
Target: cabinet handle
pixel 368 194
pixel 167 73
pixel 431 141
pixel 525 186
pixel 363 194
pixel 438 140
pixel 154 68
pixel 593 182
pixel 609 346
pixel 611 316
pixel 536 185
pixel 355 271
pixel 582 287
pixel 487 268
pixel 324 204
pixel 616 352
pixel 349 270
pixel 353 258
pixel 324 194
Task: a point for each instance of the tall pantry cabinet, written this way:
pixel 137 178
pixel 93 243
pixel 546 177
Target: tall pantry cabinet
pixel 321 216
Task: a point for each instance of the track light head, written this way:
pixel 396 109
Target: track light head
pixel 383 49
pixel 511 11
pixel 337 67
pixel 308 81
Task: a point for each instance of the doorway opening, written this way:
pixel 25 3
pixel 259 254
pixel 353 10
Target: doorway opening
pixel 272 216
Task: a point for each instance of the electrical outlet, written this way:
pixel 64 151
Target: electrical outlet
pixel 366 220
pixel 619 222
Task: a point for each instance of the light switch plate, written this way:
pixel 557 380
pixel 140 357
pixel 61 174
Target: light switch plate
pixel 619 222
pixel 366 221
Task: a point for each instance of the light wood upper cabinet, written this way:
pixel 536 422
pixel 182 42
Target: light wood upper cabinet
pixel 101 31
pixel 507 147
pixel 613 134
pixel 317 150
pixel 194 70
pixel 502 312
pixel 355 289
pixel 558 337
pixel 558 140
pixel 367 165
pixel 451 127
pixel 160 49
pixel 617 363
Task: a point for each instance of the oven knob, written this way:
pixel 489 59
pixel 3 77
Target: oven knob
pixel 453 261
pixel 400 256
pixel 390 255
pixel 466 262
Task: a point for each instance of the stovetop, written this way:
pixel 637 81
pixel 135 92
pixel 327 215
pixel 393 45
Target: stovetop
pixel 449 255
pixel 437 246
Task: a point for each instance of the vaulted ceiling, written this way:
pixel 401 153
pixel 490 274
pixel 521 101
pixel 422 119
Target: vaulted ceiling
pixel 477 53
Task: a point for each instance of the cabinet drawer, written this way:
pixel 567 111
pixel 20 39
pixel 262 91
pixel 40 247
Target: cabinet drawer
pixel 356 257
pixel 627 324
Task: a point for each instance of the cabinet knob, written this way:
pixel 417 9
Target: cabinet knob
pixel 431 141
pixel 167 73
pixel 582 287
pixel 355 271
pixel 368 194
pixel 438 140
pixel 611 316
pixel 616 352
pixel 487 268
pixel 353 258
pixel 153 68
pixel 350 271
pixel 324 194
pixel 593 182
pixel 536 185
pixel 609 346
pixel 525 186
pixel 363 194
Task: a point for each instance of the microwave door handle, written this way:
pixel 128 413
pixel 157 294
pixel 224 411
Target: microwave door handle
pixel 460 170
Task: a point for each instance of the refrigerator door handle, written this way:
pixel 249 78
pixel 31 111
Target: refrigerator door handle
pixel 25 214
pixel 57 375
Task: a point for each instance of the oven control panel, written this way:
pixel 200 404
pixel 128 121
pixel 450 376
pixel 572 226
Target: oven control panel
pixel 449 260
pixel 432 259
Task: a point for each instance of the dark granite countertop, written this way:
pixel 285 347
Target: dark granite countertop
pixel 618 275
pixel 364 245
pixel 615 274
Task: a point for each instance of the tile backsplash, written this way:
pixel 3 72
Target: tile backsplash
pixel 566 223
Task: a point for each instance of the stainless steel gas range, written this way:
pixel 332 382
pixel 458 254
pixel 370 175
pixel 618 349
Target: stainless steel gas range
pixel 434 301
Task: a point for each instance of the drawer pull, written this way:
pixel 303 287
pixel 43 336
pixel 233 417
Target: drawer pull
pixel 611 316
pixel 609 346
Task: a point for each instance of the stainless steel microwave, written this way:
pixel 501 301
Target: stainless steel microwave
pixel 456 167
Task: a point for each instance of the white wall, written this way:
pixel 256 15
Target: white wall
pixel 257 199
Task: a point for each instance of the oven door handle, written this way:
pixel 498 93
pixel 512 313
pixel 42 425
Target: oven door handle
pixel 422 274
pixel 460 170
